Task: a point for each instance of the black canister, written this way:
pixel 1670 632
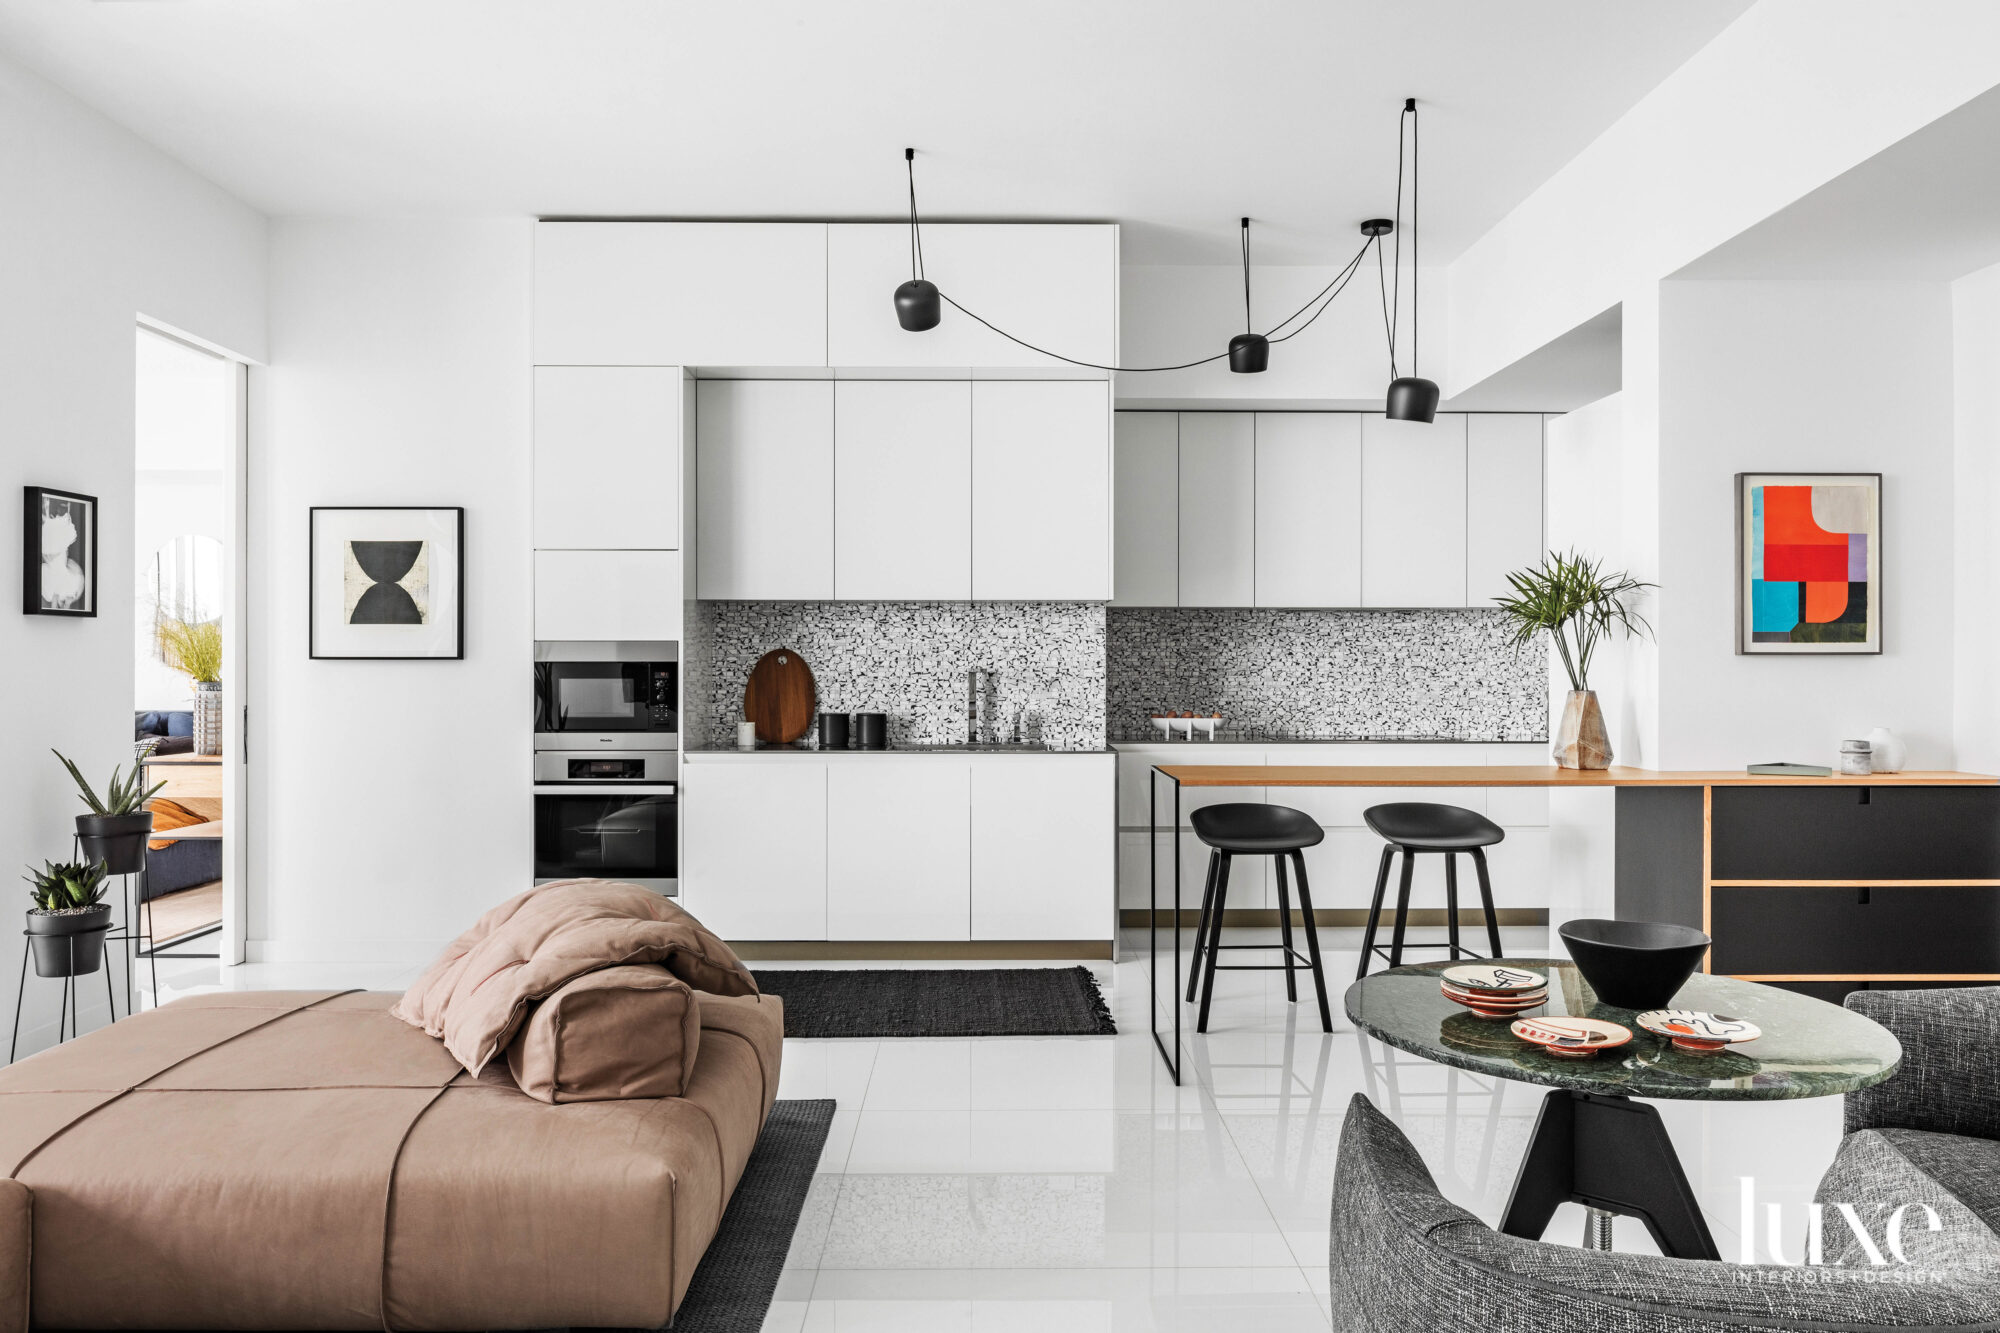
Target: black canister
pixel 833 731
pixel 872 731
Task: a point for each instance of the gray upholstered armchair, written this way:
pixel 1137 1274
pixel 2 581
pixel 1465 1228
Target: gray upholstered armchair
pixel 1406 1260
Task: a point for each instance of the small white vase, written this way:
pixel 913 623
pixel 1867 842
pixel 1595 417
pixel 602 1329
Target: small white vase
pixel 1886 751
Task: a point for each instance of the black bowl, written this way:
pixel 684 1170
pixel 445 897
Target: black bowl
pixel 1634 964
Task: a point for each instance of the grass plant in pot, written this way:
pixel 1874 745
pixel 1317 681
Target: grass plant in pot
pixel 194 648
pixel 65 926
pixel 1578 606
pixel 114 832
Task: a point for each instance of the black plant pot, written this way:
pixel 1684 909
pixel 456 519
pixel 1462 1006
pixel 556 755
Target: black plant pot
pixel 1634 964
pixel 68 944
pixel 117 840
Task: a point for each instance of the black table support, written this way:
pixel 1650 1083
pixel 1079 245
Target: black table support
pixel 1611 1154
pixel 1173 1058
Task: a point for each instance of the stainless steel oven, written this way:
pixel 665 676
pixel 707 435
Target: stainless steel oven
pixel 609 830
pixel 607 696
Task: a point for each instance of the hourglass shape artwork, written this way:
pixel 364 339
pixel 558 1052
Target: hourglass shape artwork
pixel 387 582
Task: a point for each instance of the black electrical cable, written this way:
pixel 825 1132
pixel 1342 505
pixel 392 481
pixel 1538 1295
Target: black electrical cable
pixel 1246 276
pixel 916 233
pixel 1353 267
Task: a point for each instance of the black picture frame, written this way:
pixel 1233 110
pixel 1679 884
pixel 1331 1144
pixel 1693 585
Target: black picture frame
pixel 1878 556
pixel 34 601
pixel 315 575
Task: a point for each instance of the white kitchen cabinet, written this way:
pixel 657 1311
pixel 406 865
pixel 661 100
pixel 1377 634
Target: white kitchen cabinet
pixel 1218 509
pixel 1041 490
pixel 681 293
pixel 898 848
pixel 1503 483
pixel 1413 512
pixel 765 489
pixel 1055 285
pixel 607 457
pixel 1043 855
pixel 629 595
pixel 1308 504
pixel 1145 563
pixel 754 866
pixel 902 490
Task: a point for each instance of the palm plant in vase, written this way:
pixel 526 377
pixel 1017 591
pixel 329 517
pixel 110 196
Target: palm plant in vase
pixel 1578 606
pixel 66 924
pixel 194 648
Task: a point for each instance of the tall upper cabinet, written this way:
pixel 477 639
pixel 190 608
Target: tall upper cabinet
pixel 1308 509
pixel 1413 511
pixel 607 458
pixel 1504 487
pixel 765 515
pixel 1146 563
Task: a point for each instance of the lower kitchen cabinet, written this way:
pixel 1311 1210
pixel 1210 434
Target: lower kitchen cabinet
pixel 1042 849
pixel 754 860
pixel 898 849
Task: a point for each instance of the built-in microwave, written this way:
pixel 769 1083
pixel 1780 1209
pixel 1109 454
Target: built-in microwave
pixel 607 696
pixel 590 831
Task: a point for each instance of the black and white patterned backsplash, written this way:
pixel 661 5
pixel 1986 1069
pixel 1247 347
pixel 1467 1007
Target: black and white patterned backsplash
pixel 1326 673
pixel 909 659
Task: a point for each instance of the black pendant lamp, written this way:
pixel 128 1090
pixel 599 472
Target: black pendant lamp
pixel 1249 352
pixel 917 305
pixel 1411 397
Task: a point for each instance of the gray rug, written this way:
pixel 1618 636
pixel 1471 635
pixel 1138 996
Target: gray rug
pixel 732 1287
pixel 941 1002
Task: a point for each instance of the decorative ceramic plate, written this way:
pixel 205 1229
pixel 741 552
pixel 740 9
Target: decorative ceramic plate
pixel 1496 997
pixel 1692 1030
pixel 1494 980
pixel 1571 1036
pixel 1525 1000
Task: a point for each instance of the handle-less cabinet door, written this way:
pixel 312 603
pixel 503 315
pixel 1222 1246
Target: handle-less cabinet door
pixel 1145 564
pixel 1055 285
pixel 681 294
pixel 754 867
pixel 607 458
pixel 1413 512
pixel 1043 847
pixel 618 595
pixel 1503 512
pixel 765 489
pixel 902 490
pixel 1218 507
pixel 898 838
pixel 1041 490
pixel 1308 509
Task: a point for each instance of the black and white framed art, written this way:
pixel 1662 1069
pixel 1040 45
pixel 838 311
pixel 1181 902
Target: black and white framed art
pixel 387 582
pixel 59 556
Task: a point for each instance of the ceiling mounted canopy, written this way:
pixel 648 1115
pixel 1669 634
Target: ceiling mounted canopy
pixel 1411 397
pixel 920 303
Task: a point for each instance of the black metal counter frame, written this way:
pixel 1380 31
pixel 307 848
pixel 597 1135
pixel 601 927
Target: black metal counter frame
pixel 1173 1057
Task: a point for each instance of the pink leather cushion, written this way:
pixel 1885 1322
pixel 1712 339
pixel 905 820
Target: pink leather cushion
pixel 475 996
pixel 619 1032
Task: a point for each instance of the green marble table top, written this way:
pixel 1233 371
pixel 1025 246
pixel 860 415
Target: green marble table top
pixel 1809 1048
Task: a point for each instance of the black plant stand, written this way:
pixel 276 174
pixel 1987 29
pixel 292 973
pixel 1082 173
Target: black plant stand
pixel 72 997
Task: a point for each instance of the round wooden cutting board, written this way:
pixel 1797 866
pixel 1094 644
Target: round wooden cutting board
pixel 780 697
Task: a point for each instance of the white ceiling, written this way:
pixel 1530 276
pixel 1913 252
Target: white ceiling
pixel 1170 116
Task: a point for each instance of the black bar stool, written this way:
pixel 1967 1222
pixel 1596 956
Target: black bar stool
pixel 1414 827
pixel 1248 829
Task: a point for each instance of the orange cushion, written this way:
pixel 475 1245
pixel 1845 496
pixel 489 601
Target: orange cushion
pixel 170 815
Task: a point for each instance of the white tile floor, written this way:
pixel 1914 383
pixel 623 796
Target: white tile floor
pixel 1050 1184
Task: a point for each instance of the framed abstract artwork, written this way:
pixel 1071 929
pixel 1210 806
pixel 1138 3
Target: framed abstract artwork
pixel 59 559
pixel 1808 562
pixel 386 583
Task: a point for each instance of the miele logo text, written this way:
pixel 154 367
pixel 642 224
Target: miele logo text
pixel 1877 1228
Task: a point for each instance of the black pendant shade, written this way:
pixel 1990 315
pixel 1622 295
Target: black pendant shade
pixel 917 305
pixel 1249 353
pixel 1412 399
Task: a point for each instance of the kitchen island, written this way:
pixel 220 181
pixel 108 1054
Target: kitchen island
pixel 1823 885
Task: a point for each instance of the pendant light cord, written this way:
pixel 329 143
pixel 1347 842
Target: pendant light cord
pixel 1416 232
pixel 1392 287
pixel 916 232
pixel 1246 276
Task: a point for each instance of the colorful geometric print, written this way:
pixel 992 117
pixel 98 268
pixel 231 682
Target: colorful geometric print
pixel 1809 564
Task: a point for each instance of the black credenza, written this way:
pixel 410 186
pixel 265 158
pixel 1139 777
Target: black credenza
pixel 1822 888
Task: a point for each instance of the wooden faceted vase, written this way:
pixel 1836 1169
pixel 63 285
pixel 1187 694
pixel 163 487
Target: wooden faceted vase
pixel 1581 741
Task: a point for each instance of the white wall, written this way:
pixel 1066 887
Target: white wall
pixel 1804 377
pixel 391 798
pixel 99 229
pixel 1784 99
pixel 1976 385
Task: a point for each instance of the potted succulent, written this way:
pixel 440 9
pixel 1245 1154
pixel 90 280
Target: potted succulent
pixel 65 926
pixel 1578 605
pixel 194 648
pixel 114 832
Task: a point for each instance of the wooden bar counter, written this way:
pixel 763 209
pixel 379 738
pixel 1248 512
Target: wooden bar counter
pixel 1825 885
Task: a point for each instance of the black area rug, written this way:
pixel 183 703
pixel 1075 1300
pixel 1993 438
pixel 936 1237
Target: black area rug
pixel 941 1002
pixel 732 1287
